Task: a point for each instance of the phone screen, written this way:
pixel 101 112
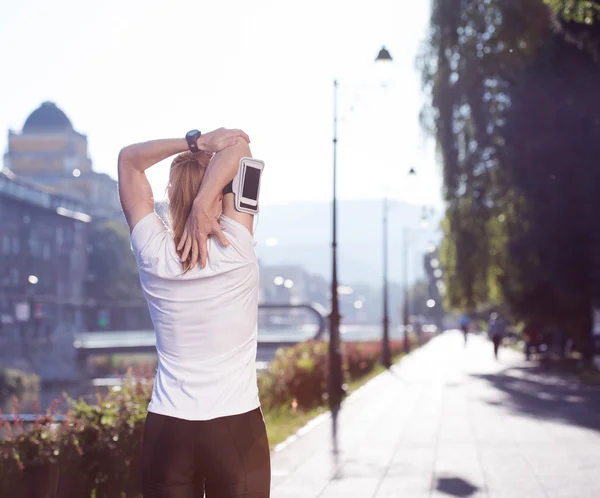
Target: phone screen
pixel 251 181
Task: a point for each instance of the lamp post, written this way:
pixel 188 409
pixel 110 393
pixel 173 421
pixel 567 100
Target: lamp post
pixel 386 356
pixel 335 357
pixel 386 359
pixel 405 315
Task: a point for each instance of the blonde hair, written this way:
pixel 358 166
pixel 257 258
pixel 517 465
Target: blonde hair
pixel 185 178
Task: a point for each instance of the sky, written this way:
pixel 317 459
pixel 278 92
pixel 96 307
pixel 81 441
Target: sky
pixel 130 71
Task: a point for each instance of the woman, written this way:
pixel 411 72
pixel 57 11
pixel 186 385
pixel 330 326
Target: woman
pixel 204 430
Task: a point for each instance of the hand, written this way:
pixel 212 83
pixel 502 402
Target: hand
pixel 220 139
pixel 202 222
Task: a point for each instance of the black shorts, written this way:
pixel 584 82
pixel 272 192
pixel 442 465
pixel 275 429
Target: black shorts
pixel 227 457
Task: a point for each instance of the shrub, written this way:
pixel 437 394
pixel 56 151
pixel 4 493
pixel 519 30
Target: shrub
pixel 95 447
pixel 15 382
pixel 298 374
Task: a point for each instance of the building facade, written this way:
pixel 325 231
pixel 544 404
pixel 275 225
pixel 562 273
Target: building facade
pixel 50 152
pixel 43 258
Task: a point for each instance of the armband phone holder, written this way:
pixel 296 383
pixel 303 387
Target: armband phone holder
pixel 245 186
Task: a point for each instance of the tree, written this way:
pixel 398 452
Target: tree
pixel 552 138
pixel 513 107
pixel 113 281
pixel 576 11
pixel 578 20
pixel 473 53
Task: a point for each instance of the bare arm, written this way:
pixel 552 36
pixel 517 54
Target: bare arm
pixel 135 192
pixel 219 175
pixel 203 220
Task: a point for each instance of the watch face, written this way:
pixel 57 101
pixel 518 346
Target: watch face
pixel 190 134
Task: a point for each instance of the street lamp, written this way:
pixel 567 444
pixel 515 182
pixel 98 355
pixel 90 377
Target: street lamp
pixel 335 355
pixel 405 318
pixel 335 358
pixel 386 357
pixel 384 57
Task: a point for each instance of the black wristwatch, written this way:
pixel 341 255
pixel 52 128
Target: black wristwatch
pixel 192 140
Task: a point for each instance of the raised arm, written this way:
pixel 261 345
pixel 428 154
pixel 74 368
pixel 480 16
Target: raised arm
pixel 219 173
pixel 135 192
pixel 203 220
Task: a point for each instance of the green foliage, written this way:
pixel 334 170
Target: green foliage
pixel 577 21
pixel 111 264
pixel 473 52
pixel 14 382
pixel 514 110
pixel 580 11
pixel 553 140
pixel 298 375
pixel 96 447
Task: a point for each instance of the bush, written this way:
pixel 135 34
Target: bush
pixel 15 382
pixel 95 447
pixel 298 375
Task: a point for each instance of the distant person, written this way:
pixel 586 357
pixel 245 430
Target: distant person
pixel 204 430
pixel 496 331
pixel 465 322
pixel 533 339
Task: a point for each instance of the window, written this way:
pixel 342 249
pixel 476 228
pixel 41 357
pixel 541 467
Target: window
pixel 34 245
pixel 16 245
pixel 5 244
pixel 47 251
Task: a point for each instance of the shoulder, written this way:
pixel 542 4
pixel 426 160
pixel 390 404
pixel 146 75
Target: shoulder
pixel 242 241
pixel 146 233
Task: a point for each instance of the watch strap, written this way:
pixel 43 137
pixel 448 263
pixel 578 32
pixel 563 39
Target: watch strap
pixel 192 140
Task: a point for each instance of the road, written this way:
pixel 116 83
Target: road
pixel 447 421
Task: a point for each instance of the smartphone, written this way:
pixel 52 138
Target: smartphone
pixel 249 188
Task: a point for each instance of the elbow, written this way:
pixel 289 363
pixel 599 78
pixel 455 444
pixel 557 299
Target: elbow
pixel 241 149
pixel 127 157
pixel 234 153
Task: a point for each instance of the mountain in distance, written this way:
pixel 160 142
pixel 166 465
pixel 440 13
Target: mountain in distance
pixel 300 234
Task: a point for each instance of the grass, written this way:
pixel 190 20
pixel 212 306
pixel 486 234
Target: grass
pixel 284 421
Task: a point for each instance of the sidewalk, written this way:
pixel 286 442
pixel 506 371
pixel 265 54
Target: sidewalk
pixel 452 421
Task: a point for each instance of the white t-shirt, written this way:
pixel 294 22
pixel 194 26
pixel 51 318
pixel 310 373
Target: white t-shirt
pixel 205 322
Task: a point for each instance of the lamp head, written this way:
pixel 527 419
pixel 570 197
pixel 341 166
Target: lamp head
pixel 383 55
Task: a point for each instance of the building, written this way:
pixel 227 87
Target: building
pixel 50 152
pixel 43 258
pixel 285 284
